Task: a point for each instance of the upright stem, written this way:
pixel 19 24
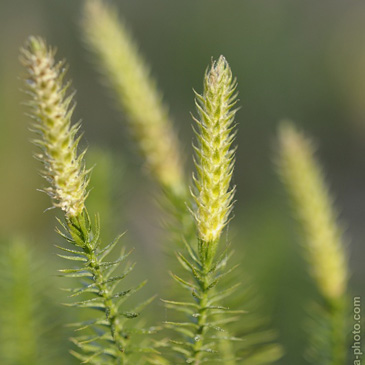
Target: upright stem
pixel 207 251
pixel 94 265
pixel 111 310
pixel 202 318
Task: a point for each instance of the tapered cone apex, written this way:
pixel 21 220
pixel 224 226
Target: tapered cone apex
pixel 51 110
pixel 214 157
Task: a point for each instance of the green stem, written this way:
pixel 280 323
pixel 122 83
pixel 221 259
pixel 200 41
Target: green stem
pixel 177 207
pixel 94 264
pixel 111 310
pixel 207 252
pixel 202 318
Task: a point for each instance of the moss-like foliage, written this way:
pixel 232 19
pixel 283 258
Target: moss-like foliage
pixel 65 171
pixel 328 327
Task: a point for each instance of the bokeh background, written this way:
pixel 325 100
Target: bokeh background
pixel 302 60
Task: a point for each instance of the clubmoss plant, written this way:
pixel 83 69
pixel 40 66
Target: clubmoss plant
pixel 201 315
pixel 136 92
pixel 107 339
pixel 213 197
pixel 323 242
pixel 51 111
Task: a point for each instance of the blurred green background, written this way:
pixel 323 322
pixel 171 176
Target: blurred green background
pixel 303 60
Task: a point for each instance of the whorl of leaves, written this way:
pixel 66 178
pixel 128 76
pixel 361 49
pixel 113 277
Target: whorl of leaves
pixel 106 336
pixel 208 324
pixel 197 335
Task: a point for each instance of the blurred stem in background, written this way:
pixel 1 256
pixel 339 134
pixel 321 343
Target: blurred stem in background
pixel 323 244
pixel 30 321
pixel 136 92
